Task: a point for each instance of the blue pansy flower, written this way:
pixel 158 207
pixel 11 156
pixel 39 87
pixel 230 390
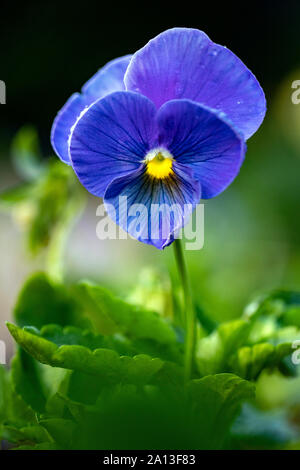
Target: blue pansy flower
pixel 164 127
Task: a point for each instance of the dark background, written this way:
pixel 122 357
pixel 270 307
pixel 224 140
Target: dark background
pixel 49 48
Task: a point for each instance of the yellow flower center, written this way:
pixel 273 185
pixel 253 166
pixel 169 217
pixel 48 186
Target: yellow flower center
pixel 159 163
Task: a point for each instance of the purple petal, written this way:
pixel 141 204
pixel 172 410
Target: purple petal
pixel 198 138
pixel 185 63
pixel 62 124
pixel 111 139
pixel 153 210
pixel 107 80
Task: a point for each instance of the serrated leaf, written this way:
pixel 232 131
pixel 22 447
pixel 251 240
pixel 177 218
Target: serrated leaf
pixel 213 351
pixel 249 361
pixel 71 335
pixel 106 363
pixel 216 399
pixel 111 314
pixel 173 352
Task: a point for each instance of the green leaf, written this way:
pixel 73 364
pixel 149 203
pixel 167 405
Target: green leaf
pixel 36 383
pixel 41 446
pixel 71 335
pixel 26 153
pixel 213 351
pixel 27 434
pixel 46 207
pixel 42 301
pixel 130 417
pixel 205 321
pixel 273 304
pixel 13 410
pixel 275 317
pixel 216 400
pixel 26 381
pixel 123 417
pixel 61 430
pixel 12 197
pixel 111 314
pixel 291 316
pixel 102 362
pixel 3 392
pixel 58 199
pixel 249 361
pixel 173 352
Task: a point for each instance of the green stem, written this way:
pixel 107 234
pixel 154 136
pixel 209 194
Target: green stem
pixel 190 319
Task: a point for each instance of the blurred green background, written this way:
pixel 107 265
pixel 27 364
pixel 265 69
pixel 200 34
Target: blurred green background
pixel 252 236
